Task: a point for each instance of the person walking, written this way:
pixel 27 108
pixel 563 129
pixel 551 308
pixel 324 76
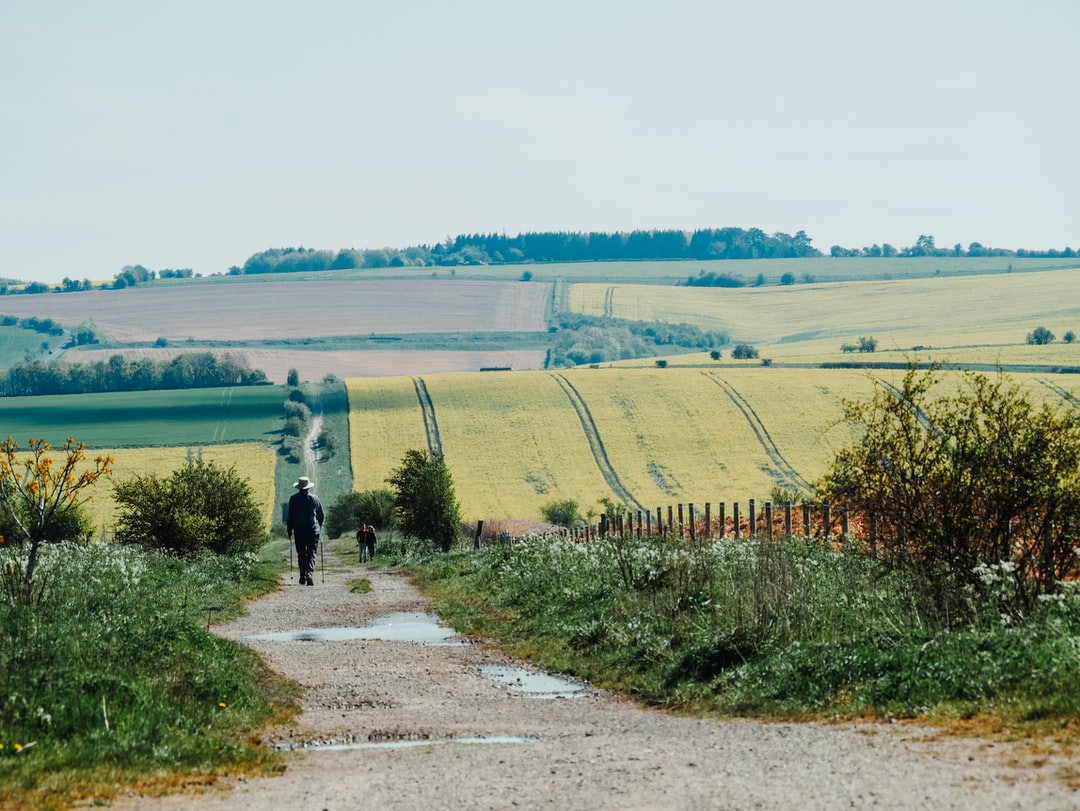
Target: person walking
pixel 369 540
pixel 303 523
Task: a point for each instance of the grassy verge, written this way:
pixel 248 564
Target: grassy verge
pixel 768 629
pixel 111 681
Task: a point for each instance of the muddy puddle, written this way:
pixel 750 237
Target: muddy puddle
pixel 427 629
pixel 531 684
pixel 341 746
pixel 416 627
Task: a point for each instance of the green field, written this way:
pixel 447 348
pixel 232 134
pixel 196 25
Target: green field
pixel 16 342
pixel 148 418
pixel 961 319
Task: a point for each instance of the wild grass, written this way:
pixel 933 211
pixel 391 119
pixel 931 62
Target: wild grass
pixel 112 675
pixel 752 627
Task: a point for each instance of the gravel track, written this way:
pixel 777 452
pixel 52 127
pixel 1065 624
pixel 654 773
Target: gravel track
pixel 595 751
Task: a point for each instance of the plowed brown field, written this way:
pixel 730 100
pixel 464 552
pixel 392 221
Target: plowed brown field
pixel 275 310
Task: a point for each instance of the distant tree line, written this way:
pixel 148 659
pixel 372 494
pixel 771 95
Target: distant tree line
pixel 191 370
pixel 546 246
pixel 550 246
pixel 924 246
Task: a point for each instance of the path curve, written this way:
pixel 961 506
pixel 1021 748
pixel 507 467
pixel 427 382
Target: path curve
pixel 596 751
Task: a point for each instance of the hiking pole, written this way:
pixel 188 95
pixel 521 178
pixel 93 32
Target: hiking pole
pixel 290 556
pixel 322 560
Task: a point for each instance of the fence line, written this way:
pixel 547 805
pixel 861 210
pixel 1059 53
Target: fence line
pixel 811 521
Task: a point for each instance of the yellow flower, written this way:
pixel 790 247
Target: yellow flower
pixel 18 747
pixel 222 704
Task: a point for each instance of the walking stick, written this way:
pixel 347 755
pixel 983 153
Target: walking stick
pixel 290 556
pixel 322 560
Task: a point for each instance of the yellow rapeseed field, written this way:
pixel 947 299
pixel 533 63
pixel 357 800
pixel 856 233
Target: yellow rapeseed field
pixel 253 461
pixel 514 441
pixel 384 422
pixel 694 434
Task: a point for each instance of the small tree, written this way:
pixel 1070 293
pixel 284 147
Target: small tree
pixel 715 354
pixel 1040 336
pixel 347 513
pixel 36 492
pixel 292 378
pixel 424 499
pixel 563 512
pixel 867 344
pixel 744 352
pixel 1069 337
pixel 201 508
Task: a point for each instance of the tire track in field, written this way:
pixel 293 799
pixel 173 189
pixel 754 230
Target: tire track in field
pixel 596 445
pixel 920 415
pixel 220 426
pixel 1064 394
pixel 609 302
pixel 789 475
pixel 427 410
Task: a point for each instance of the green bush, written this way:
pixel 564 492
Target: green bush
pixel 200 508
pixel 563 512
pixel 965 478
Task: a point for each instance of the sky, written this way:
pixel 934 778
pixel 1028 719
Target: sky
pixel 193 134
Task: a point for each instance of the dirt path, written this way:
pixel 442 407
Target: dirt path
pixel 424 728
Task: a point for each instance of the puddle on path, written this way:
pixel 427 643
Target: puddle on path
pixel 534 685
pixel 332 746
pixel 417 627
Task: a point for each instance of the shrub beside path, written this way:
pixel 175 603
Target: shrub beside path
pixel 596 751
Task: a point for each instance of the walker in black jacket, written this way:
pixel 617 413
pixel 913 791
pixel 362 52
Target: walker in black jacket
pixel 303 522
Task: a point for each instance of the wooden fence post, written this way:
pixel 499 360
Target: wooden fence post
pixel 788 523
pixel 873 535
pixel 826 520
pixel 708 520
pixel 639 523
pixel 682 525
pixel 753 518
pixel 721 520
pixel 479 532
pixel 768 520
pixel 735 518
pixel 670 520
pixel 693 523
pixel 806 520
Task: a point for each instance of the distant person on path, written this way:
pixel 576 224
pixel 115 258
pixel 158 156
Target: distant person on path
pixel 365 537
pixel 305 519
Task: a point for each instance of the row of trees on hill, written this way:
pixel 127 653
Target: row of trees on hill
pixel 190 370
pixel 546 246
pixel 924 246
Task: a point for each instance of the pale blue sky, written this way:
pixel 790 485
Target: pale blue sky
pixel 195 133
